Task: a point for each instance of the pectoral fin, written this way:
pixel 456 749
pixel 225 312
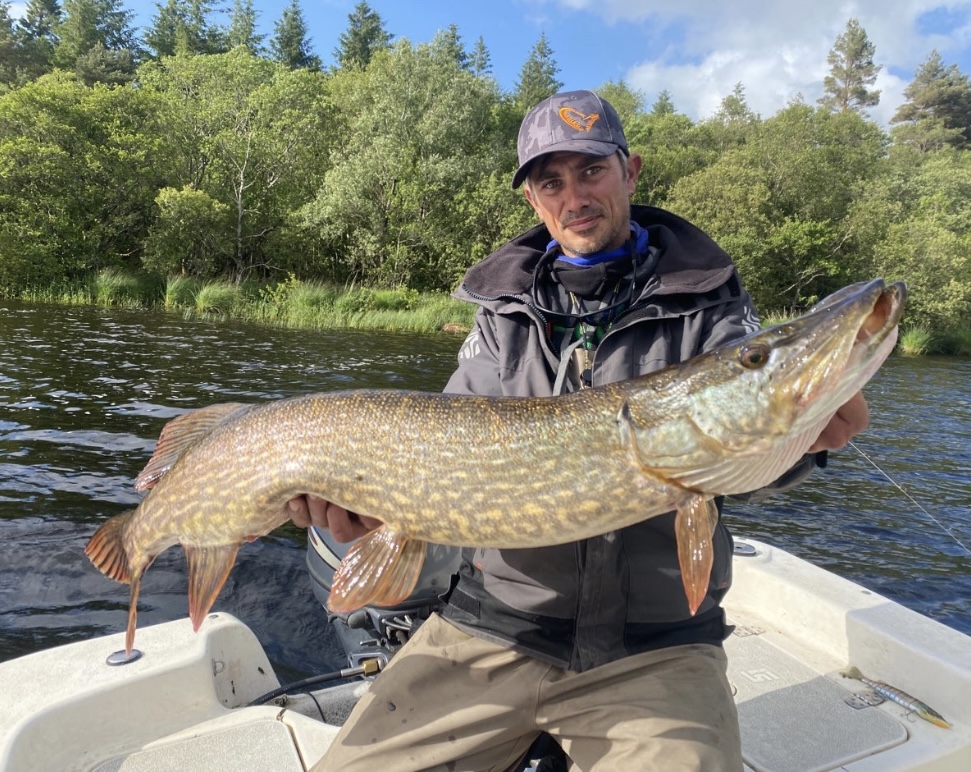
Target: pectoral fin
pixel 381 567
pixel 694 525
pixel 209 568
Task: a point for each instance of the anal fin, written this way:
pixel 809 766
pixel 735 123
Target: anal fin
pixel 382 568
pixel 209 568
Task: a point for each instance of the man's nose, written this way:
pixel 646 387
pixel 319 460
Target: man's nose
pixel 576 195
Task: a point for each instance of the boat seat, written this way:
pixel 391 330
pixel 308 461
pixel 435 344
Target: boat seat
pixel 794 719
pixel 250 740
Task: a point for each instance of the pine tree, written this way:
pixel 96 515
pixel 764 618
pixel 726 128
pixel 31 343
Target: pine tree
pixel 36 33
pixel 537 79
pixel 290 44
pixel 938 108
pixel 448 43
pixel 242 28
pixel 96 39
pixel 364 37
pixel 852 72
pixel 10 50
pixel 183 27
pixel 663 105
pixel 480 62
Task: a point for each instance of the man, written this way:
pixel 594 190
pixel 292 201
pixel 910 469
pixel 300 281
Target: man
pixel 592 641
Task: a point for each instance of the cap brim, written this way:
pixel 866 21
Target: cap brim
pixel 585 146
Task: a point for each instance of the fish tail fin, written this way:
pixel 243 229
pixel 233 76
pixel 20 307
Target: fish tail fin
pixel 852 672
pixel 381 567
pixel 106 549
pixel 136 586
pixel 694 525
pixel 209 568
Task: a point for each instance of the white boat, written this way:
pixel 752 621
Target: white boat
pixel 185 704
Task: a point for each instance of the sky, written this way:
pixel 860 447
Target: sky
pixel 698 50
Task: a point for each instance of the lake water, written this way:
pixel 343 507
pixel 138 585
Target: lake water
pixel 84 393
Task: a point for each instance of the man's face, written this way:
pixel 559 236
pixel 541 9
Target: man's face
pixel 583 200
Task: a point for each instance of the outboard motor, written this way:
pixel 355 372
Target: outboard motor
pixel 379 631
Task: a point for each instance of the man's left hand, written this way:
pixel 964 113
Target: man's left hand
pixel 850 420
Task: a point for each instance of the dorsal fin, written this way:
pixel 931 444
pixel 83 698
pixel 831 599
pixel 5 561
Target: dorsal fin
pixel 181 433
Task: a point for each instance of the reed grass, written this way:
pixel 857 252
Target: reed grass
pixel 220 299
pixel 114 287
pixel 915 341
pixel 180 292
pixel 73 294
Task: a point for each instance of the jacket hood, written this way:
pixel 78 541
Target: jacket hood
pixel 690 260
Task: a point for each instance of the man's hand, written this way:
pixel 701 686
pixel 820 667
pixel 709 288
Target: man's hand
pixel 850 420
pixel 345 526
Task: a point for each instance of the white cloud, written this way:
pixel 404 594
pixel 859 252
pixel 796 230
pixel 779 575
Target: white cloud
pixel 777 50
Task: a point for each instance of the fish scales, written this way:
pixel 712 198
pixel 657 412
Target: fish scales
pixel 501 472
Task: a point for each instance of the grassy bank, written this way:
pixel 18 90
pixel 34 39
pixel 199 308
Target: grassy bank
pixel 290 303
pixel 299 304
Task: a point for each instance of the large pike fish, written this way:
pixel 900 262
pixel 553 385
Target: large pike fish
pixel 500 472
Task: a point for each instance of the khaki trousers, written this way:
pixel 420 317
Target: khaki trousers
pixel 452 701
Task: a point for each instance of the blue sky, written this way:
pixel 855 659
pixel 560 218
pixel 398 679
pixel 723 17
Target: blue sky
pixel 696 49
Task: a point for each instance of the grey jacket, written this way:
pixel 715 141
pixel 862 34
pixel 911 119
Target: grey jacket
pixel 587 603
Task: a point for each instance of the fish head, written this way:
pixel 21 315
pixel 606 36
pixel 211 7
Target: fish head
pixel 741 415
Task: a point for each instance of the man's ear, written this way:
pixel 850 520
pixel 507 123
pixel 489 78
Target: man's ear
pixel 529 197
pixel 634 165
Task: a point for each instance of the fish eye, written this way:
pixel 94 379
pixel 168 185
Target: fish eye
pixel 754 357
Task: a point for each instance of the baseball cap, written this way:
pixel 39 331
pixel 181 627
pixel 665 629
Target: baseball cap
pixel 573 121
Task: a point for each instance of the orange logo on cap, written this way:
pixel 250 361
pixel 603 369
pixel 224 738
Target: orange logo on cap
pixel 573 117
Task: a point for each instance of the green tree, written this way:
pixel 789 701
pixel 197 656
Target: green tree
pixel 733 124
pixel 672 147
pixel 448 43
pixel 365 36
pixel 79 167
pixel 97 41
pixel 246 136
pixel 663 105
pixel 409 200
pixel 37 32
pixel 184 27
pixel 480 61
pixel 851 72
pixel 290 45
pixel 780 202
pixel 913 223
pixel 11 62
pixel 537 78
pixel 937 112
pixel 242 27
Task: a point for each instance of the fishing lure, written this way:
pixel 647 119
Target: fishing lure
pixel 903 699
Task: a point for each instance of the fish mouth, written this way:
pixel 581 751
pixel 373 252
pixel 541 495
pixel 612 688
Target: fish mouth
pixel 839 344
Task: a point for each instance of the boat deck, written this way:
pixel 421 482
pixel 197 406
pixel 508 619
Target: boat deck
pixel 183 705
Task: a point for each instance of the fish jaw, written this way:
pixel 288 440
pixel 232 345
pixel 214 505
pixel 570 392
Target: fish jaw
pixel 735 419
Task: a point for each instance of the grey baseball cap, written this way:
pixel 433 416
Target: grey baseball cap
pixel 572 121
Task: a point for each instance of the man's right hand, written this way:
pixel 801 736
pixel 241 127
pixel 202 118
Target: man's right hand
pixel 345 526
